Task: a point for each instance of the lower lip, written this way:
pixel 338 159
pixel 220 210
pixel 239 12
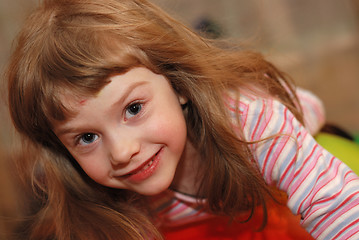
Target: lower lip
pixel 148 172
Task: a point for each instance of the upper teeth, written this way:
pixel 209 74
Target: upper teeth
pixel 148 165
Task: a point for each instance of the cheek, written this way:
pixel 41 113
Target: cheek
pixel 170 130
pixel 94 166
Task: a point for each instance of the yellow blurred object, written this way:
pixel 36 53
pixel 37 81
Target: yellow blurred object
pixel 344 149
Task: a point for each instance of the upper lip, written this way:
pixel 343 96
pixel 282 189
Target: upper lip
pixel 140 166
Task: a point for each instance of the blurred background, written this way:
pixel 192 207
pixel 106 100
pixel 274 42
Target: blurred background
pixel 316 42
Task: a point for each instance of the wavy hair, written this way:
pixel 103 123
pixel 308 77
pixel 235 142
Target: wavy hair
pixel 73 46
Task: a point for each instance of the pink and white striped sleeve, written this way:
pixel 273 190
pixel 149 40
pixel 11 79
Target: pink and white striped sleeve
pixel 322 189
pixel 313 110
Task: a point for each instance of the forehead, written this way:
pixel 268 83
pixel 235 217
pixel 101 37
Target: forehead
pixel 62 102
pixel 120 90
pixel 71 103
pixel 120 84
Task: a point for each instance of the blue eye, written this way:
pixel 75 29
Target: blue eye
pixel 133 110
pixel 87 138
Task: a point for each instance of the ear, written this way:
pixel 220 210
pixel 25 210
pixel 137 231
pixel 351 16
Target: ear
pixel 182 100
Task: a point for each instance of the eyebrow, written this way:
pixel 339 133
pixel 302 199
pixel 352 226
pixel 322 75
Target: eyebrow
pixel 126 93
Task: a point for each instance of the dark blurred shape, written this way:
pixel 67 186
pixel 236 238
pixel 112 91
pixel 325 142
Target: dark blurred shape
pixel 336 130
pixel 209 28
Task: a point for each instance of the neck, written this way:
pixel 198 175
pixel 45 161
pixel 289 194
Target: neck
pixel 188 175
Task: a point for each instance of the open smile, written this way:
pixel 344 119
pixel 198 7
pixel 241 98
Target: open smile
pixel 145 170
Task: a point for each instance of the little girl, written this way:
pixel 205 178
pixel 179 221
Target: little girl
pixel 125 114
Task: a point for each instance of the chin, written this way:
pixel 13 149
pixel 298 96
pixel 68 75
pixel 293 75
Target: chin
pixel 154 188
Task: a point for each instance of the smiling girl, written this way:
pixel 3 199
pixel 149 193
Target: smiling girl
pixel 125 114
pixel 123 138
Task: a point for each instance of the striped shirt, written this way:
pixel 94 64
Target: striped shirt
pixel 322 189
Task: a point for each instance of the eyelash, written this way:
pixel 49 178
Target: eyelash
pixel 80 138
pixel 139 104
pixel 132 104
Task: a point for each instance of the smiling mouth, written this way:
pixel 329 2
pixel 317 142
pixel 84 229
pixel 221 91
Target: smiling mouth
pixel 141 168
pixel 145 170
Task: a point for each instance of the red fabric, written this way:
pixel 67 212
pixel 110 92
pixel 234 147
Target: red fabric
pixel 282 224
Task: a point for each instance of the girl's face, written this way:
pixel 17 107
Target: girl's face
pixel 131 135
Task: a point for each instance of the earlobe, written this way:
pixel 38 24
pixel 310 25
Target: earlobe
pixel 182 100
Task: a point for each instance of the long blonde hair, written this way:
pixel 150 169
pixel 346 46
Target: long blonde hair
pixel 74 45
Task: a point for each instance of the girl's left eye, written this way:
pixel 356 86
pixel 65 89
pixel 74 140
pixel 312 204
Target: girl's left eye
pixel 132 110
pixel 87 138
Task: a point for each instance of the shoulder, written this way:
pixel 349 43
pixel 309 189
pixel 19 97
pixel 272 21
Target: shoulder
pixel 313 110
pixel 256 114
pixel 240 103
pixel 255 110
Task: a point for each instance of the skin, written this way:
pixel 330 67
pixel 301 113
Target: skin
pixel 132 135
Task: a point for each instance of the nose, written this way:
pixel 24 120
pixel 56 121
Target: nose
pixel 123 150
